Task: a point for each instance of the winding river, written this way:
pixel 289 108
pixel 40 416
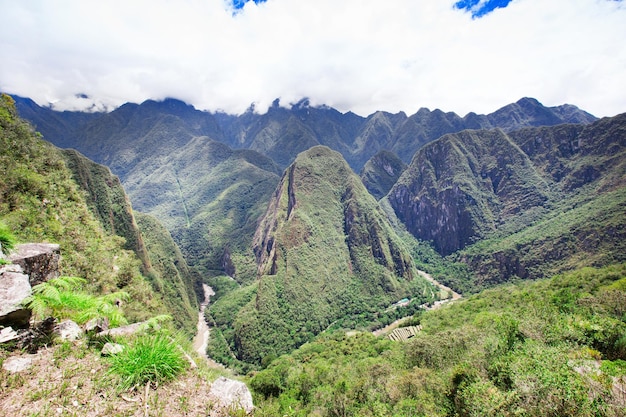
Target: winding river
pixel 200 342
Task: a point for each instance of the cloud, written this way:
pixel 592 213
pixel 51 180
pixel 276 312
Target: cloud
pixel 358 55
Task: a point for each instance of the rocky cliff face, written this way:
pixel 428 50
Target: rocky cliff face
pixel 459 188
pixel 529 203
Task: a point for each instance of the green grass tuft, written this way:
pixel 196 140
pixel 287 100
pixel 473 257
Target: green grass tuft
pixel 150 358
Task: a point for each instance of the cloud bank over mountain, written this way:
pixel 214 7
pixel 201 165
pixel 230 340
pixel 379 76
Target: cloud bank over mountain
pixel 353 55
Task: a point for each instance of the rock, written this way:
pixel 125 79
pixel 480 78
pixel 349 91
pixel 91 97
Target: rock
pixel 17 364
pixel 68 330
pixel 40 261
pixel 14 289
pixel 8 335
pixel 97 325
pixel 128 330
pixel 111 349
pixel 229 394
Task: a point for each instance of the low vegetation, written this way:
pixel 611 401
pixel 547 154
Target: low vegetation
pixel 64 298
pixel 554 347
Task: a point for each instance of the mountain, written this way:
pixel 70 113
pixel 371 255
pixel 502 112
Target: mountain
pixel 524 204
pixel 381 172
pixel 281 133
pixel 209 197
pixel 324 250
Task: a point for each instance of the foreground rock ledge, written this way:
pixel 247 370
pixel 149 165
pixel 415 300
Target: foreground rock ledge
pixel 40 261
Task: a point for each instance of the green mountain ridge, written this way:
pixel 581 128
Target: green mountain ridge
pixel 527 204
pixel 324 251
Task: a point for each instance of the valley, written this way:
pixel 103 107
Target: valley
pixel 291 233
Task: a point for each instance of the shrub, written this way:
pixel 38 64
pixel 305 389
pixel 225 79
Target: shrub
pixel 152 358
pixel 7 240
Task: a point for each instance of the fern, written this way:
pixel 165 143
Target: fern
pixel 62 298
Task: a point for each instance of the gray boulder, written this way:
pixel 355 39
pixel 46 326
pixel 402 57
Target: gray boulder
pixel 229 394
pixel 97 325
pixel 14 289
pixel 68 330
pixel 111 349
pixel 127 330
pixel 40 261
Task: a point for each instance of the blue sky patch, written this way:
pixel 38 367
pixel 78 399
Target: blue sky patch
pixel 238 4
pixel 480 8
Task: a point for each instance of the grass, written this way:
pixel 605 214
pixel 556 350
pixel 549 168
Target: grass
pixel 151 358
pixel 7 239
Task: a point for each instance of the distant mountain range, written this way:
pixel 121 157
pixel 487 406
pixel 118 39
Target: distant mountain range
pixel 281 133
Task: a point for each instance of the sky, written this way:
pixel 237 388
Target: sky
pixel 353 55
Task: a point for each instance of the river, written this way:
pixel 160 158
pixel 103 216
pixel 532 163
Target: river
pixel 201 340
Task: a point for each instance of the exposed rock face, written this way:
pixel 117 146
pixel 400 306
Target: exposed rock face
pixel 458 188
pixel 40 261
pixel 230 394
pixel 14 289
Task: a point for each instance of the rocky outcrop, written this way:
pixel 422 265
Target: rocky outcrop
pixel 17 364
pixel 229 394
pixel 40 261
pixel 14 289
pixel 128 330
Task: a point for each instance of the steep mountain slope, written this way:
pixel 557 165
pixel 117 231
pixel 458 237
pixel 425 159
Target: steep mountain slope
pixel 324 250
pixel 170 276
pixel 169 273
pixel 381 172
pixel 108 201
pixel 537 201
pixel 40 202
pixel 209 197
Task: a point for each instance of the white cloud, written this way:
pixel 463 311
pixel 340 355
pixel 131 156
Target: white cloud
pixel 359 55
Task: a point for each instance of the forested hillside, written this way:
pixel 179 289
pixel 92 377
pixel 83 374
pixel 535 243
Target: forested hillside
pixel 41 201
pixel 325 252
pixel 549 348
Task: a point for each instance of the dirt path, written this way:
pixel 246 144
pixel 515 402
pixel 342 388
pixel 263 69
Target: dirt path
pixel 201 340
